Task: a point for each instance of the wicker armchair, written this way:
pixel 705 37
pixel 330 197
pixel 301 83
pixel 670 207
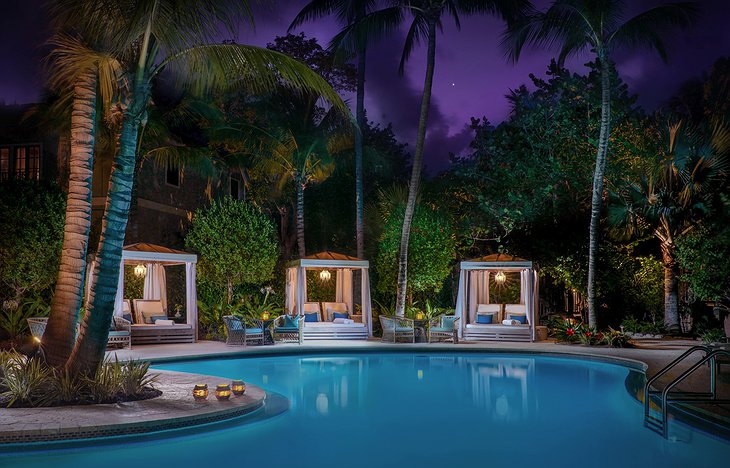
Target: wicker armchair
pixel 240 331
pixel 121 334
pixel 395 328
pixel 443 328
pixel 284 332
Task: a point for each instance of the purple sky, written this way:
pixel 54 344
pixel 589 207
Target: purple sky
pixel 471 78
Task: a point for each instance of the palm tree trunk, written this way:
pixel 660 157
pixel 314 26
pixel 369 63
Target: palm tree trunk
pixel 597 196
pixel 300 219
pixel 671 282
pixel 90 347
pixel 360 113
pixel 400 306
pixel 60 334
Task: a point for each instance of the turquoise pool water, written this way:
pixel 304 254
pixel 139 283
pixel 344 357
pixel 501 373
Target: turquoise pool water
pixel 424 410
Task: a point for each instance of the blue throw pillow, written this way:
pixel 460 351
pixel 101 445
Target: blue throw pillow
pixel 485 319
pixel 311 317
pixel 157 317
pixel 448 322
pixel 127 317
pixel 291 322
pixel 522 318
pixel 336 315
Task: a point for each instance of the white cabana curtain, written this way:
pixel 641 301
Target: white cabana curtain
pixel 343 288
pixel 367 308
pixel 478 292
pixel 119 298
pixel 526 293
pixel 301 296
pixel 461 301
pixel 155 284
pixel 291 285
pixel 191 297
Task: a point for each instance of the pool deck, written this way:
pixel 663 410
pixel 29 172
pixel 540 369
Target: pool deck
pixel 176 408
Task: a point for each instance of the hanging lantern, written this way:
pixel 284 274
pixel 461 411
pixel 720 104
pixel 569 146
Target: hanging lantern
pixel 223 391
pixel 265 315
pixel 500 277
pixel 200 392
pixel 325 275
pixel 419 315
pixel 238 387
pixel 140 271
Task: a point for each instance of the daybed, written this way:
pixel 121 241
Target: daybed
pixel 152 326
pixel 325 326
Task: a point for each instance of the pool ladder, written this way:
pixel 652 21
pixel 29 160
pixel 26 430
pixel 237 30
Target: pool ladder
pixel 666 396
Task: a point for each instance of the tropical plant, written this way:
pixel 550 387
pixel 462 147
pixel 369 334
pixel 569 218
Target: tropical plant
pixel 672 200
pixel 349 12
pixel 713 335
pixel 426 19
pixel 569 331
pixel 590 336
pixel 136 377
pixel 615 338
pixel 572 26
pixel 15 315
pixel 24 381
pixel 185 32
pixel 253 306
pixel 236 244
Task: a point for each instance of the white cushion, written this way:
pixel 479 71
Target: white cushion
pixel 164 322
pixel 515 309
pixel 332 307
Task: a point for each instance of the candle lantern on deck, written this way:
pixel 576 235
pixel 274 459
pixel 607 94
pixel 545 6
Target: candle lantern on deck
pixel 200 392
pixel 238 387
pixel 419 315
pixel 266 315
pixel 223 391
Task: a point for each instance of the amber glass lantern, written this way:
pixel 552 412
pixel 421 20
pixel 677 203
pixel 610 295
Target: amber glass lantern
pixel 266 315
pixel 200 392
pixel 238 387
pixel 223 391
pixel 419 315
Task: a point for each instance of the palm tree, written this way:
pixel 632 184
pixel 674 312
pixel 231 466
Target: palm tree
pixel 426 19
pixel 348 12
pixel 79 72
pixel 573 26
pixel 175 36
pixel 674 199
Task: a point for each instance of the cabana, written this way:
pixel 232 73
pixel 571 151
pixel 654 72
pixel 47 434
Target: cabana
pixel 151 323
pixel 483 320
pixel 321 322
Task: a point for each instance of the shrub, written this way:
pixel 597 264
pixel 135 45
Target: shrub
pixel 135 378
pixel 615 338
pixel 589 336
pixel 713 335
pixel 236 243
pixel 13 319
pixel 25 381
pixel 569 331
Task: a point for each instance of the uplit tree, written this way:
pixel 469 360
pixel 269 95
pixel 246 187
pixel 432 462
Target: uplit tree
pixel 573 26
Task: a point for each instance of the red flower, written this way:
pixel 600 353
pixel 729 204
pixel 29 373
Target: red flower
pixel 588 333
pixel 570 332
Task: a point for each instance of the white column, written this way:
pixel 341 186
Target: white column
pixel 119 298
pixel 461 302
pixel 191 298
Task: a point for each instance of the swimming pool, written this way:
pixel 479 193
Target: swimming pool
pixel 424 410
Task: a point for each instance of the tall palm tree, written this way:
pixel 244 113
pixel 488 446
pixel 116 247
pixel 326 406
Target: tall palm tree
pixel 425 19
pixel 177 36
pixel 572 26
pixel 348 12
pixel 79 73
pixel 674 199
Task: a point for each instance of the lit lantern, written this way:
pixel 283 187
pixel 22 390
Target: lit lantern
pixel 500 277
pixel 140 271
pixel 325 275
pixel 200 392
pixel 266 315
pixel 419 315
pixel 223 391
pixel 238 387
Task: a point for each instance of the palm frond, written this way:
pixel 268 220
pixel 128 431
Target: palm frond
pixel 648 29
pixel 254 69
pixel 371 28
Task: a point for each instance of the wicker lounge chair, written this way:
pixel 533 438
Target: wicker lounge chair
pixel 395 328
pixel 443 328
pixel 288 329
pixel 239 332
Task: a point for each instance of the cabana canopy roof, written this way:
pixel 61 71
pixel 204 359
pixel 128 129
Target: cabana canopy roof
pixel 329 260
pixel 496 262
pixel 144 252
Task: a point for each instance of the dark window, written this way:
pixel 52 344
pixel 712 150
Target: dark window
pixel 235 189
pixel 34 162
pixel 172 174
pixel 4 163
pixel 20 165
